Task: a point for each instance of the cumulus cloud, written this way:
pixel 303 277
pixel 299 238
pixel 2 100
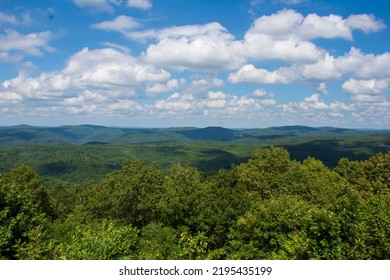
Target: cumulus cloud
pixel 284 36
pixel 214 100
pixel 332 26
pixel 214 104
pixel 194 47
pixel 364 22
pixel 111 67
pixel 164 87
pixel 200 86
pixel 30 44
pixel 314 102
pixel 120 24
pixel 371 86
pixel 111 82
pixel 259 93
pixel 275 37
pixel 364 66
pixel 176 102
pixel 250 74
pixel 106 71
pixel 367 90
pixel 328 68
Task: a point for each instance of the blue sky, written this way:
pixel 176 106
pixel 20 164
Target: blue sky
pixel 149 63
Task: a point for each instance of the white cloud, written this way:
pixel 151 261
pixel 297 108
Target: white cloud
pixel 200 86
pixel 371 86
pixel 197 47
pixel 161 88
pixel 105 71
pixel 367 91
pixel 216 95
pixel 214 103
pixel 259 93
pixel 286 23
pixel 120 24
pixel 203 83
pixel 86 97
pixel 313 110
pixel 332 26
pixel 279 25
pixel 364 66
pixel 275 37
pixel 108 67
pixel 283 36
pixel 250 74
pixel 111 82
pixel 325 69
pixel 176 102
pixel 322 88
pixel 139 4
pixel 198 54
pixel 9 96
pixel 314 102
pixel 364 22
pixel 328 68
pixel 31 44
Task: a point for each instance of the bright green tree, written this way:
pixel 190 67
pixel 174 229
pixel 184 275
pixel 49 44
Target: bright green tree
pixel 99 241
pixel 26 211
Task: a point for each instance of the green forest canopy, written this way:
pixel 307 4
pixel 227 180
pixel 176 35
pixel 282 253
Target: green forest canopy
pixel 270 207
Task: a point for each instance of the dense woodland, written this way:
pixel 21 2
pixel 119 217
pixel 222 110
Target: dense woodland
pixel 269 207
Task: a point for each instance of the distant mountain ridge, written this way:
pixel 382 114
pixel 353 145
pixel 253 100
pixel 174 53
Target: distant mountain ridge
pixel 92 134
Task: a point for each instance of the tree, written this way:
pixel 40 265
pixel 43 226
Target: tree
pixel 261 174
pixel 158 242
pixel 130 194
pixel 182 194
pixel 286 227
pixel 377 171
pixel 26 211
pixel 100 241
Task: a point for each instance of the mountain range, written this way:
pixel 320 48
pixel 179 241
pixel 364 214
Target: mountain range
pixel 92 134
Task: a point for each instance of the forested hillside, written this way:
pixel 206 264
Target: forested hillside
pixel 91 134
pixel 268 207
pixel 73 154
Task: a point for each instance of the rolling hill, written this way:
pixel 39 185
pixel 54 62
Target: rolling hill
pixel 73 154
pixel 82 134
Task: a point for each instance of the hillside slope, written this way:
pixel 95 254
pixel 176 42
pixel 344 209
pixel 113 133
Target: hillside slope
pixel 82 134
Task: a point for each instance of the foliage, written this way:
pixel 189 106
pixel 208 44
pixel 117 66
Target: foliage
pixel 25 211
pixel 270 207
pixel 101 241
